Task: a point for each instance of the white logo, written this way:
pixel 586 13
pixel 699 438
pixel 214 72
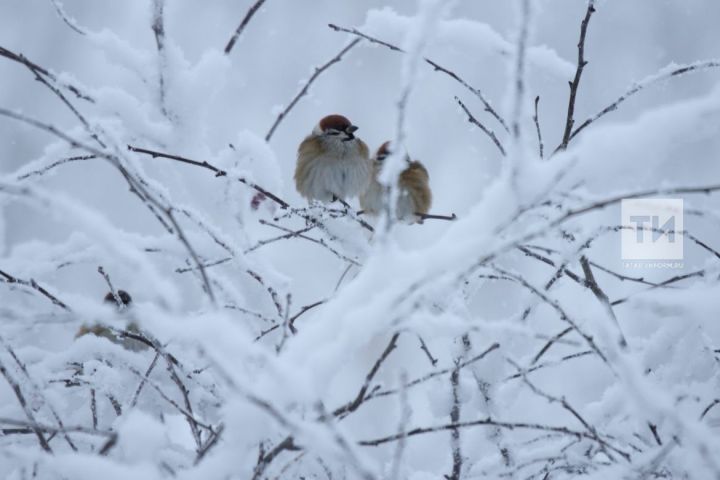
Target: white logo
pixel 652 229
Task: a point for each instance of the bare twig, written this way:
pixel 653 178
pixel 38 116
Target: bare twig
pixel 218 172
pixel 519 73
pixel 68 21
pixel 429 216
pixel 144 380
pixel 474 121
pixel 475 423
pixel 353 405
pixel 246 19
pixel 436 67
pixel 541 147
pixel 158 28
pixel 602 298
pixel 321 241
pixel 42 170
pixel 302 312
pixel 304 90
pixel 664 74
pixel 26 408
pixel 573 411
pixel 33 284
pixel 38 392
pixel 209 443
pixel 575 83
pixel 424 348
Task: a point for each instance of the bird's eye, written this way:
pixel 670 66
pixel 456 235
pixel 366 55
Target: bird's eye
pixel 332 132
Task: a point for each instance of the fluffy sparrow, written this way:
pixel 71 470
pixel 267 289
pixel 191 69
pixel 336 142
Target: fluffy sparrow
pixel 332 163
pixel 414 196
pixel 105 332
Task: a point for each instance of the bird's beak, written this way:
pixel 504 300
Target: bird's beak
pixel 349 132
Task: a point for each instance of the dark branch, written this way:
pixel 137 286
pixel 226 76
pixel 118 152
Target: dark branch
pixel 248 16
pixel 541 147
pixel 33 284
pixel 581 62
pixel 218 172
pixel 681 70
pixel 474 121
pixel 436 67
pixel 304 90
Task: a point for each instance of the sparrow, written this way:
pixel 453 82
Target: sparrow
pixel 105 332
pixel 332 163
pixel 414 197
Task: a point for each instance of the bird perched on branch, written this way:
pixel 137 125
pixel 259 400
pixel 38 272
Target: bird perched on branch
pixel 332 162
pixel 414 197
pixel 121 300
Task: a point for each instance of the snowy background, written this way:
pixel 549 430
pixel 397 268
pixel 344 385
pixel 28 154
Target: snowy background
pixel 485 347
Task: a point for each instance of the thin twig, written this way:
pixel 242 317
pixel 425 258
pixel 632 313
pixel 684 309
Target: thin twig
pixel 304 90
pixel 541 147
pixel 33 284
pixel 602 298
pixel 437 67
pixel 476 122
pixel 246 19
pixel 664 74
pixel 353 404
pixel 68 21
pixel 26 408
pixel 218 172
pixel 575 83
pixel 41 171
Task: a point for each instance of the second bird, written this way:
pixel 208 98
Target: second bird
pixel 414 197
pixel 332 162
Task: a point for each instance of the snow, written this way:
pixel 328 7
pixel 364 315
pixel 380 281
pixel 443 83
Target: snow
pixel 291 342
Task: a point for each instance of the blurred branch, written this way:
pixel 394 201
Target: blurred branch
pixel 426 350
pixel 37 69
pixel 520 60
pixel 475 423
pixel 302 311
pixel 431 375
pixel 604 445
pixel 429 216
pixel 68 21
pixel 33 284
pixel 57 163
pixel 455 443
pixel 537 127
pixel 581 62
pixel 602 298
pixel 38 392
pixel 353 405
pixel 436 67
pixel 26 408
pixel 664 74
pixel 321 241
pixel 248 16
pixel 558 308
pixel 158 28
pixel 304 90
pixel 475 121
